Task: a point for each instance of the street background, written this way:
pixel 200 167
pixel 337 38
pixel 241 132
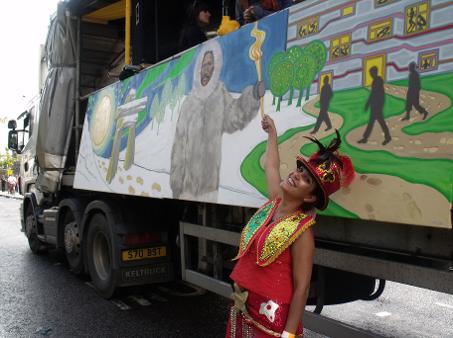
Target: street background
pixel 39 297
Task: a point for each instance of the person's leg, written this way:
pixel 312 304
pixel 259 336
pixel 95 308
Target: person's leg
pixel 317 125
pixel 385 129
pixel 368 129
pixel 327 121
pixel 421 109
pixel 409 105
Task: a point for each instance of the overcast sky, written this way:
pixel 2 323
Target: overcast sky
pixel 23 28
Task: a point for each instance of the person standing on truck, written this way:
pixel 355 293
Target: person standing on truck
pixel 251 10
pixel 275 259
pixel 206 114
pixel 192 33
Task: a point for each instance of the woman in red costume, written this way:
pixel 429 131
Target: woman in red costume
pixel 275 259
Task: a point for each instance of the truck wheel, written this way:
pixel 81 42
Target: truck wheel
pixel 36 246
pixel 100 256
pixel 376 294
pixel 72 246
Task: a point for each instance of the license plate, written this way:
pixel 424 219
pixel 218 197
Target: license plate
pixel 144 253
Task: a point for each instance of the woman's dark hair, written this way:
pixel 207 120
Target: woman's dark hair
pixel 195 8
pixel 316 204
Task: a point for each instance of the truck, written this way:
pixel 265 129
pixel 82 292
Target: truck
pixel 143 162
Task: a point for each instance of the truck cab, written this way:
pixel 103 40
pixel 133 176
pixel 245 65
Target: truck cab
pixel 25 146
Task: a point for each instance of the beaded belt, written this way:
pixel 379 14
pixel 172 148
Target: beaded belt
pixel 239 308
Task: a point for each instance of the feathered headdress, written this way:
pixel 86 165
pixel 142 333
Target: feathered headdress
pixel 330 169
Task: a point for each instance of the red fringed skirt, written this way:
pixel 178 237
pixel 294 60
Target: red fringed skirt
pixel 264 318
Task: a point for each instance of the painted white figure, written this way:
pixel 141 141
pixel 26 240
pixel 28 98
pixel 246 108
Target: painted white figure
pixel 207 113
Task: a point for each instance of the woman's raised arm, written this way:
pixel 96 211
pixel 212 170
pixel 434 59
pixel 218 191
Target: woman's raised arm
pixel 272 160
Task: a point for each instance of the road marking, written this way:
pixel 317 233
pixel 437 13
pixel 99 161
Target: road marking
pixel 122 305
pixel 90 285
pixel 44 331
pixel 383 314
pixel 140 300
pixel 156 297
pixel 445 305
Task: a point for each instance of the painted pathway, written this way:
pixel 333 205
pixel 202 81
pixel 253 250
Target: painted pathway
pixel 426 145
pixel 386 196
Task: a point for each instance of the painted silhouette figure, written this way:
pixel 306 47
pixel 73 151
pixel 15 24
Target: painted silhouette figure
pixel 324 100
pixel 413 93
pixel 376 104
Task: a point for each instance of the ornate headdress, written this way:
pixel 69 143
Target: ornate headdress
pixel 330 169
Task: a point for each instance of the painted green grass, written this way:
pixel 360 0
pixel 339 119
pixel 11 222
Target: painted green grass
pixel 253 173
pixel 437 173
pixel 441 122
pixel 432 172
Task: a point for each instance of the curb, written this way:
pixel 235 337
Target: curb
pixel 16 196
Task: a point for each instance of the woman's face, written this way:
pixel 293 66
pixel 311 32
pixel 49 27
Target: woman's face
pixel 300 184
pixel 204 17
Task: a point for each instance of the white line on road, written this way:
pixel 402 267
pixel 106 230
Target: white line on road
pixel 90 285
pixel 445 305
pixel 383 314
pixel 122 305
pixel 156 297
pixel 140 300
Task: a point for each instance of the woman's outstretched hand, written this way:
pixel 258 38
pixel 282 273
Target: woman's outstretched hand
pixel 268 125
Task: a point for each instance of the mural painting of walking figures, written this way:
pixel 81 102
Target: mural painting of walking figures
pixel 413 93
pixel 324 100
pixel 376 104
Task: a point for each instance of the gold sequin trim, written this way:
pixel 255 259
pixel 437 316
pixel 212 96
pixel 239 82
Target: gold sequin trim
pixel 281 237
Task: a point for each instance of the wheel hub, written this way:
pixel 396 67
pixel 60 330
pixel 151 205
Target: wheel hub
pixel 71 238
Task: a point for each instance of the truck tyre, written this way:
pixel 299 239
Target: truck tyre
pixel 36 246
pixel 100 257
pixel 72 246
pixel 376 294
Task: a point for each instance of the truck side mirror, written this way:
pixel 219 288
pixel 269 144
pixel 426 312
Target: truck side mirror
pixel 12 139
pixel 12 124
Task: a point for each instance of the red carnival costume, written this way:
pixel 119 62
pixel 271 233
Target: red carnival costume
pixel 264 269
pixel 263 275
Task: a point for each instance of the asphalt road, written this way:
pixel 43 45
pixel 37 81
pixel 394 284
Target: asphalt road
pixel 40 297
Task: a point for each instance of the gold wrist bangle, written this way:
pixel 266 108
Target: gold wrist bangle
pixel 286 334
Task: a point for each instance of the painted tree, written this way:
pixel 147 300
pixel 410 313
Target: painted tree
pixel 154 109
pixel 173 101
pixel 280 79
pixel 160 116
pixel 160 112
pixel 318 52
pixel 304 75
pixel 293 54
pixel 181 90
pixel 275 60
pixel 167 94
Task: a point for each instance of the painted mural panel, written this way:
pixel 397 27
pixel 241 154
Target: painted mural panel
pixel 381 72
